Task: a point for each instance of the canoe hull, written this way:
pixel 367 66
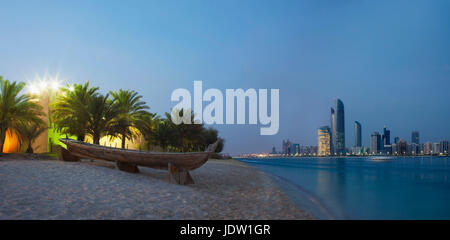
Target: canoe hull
pixel 158 160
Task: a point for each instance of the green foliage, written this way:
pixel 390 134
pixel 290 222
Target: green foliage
pixel 80 110
pixel 70 112
pixel 181 137
pixel 28 132
pixel 130 112
pixel 83 111
pixel 101 114
pixel 15 108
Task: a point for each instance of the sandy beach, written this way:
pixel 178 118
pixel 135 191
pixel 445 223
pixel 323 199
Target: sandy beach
pixel 52 189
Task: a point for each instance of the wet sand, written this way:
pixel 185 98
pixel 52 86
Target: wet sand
pixel 223 189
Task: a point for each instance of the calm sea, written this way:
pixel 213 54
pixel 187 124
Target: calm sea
pixel 362 188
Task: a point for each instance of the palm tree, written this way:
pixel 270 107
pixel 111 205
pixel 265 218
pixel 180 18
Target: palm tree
pixel 101 112
pixel 163 134
pixel 131 108
pixel 70 111
pixel 187 135
pixel 146 124
pixel 15 108
pixel 210 136
pixel 28 132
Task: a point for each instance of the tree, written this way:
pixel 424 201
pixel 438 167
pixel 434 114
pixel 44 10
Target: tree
pixel 15 108
pixel 163 134
pixel 187 136
pixel 28 132
pixel 101 113
pixel 70 111
pixel 210 136
pixel 184 137
pixel 130 109
pixel 147 124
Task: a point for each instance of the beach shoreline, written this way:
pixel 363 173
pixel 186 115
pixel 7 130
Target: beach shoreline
pixel 223 189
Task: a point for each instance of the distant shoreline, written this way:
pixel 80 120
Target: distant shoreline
pixel 368 156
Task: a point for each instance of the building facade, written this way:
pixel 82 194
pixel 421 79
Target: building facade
pixel 333 130
pixel 386 136
pixel 415 137
pixel 358 134
pixel 428 148
pixel 324 141
pixel 443 147
pixel 339 128
pixel 402 147
pixel 375 143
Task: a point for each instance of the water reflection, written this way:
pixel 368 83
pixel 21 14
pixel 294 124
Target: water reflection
pixel 362 188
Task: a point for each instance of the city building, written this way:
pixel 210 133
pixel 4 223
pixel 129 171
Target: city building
pixel 333 130
pixel 387 149
pixel 415 137
pixel 324 143
pixel 338 135
pixel 394 149
pixel 436 148
pixel 428 148
pixel 274 150
pixel 295 148
pixel 286 148
pixel 414 149
pixel 308 150
pixel 357 134
pixel 396 140
pixel 386 136
pixel 402 147
pixel 375 143
pixel 443 147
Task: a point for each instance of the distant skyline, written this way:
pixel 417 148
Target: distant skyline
pixel 388 61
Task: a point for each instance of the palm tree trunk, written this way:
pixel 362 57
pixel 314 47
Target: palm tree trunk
pixel 96 139
pixel 2 139
pixel 123 141
pixel 29 149
pixel 80 138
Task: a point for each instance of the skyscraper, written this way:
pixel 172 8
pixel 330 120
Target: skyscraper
pixel 386 136
pixel 295 148
pixel 333 131
pixel 323 141
pixel 415 137
pixel 339 135
pixel 443 147
pixel 357 134
pixel 375 142
pixel 287 147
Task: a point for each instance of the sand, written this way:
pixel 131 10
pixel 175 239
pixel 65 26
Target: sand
pixel 223 189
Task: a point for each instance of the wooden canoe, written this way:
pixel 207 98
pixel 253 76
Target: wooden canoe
pixel 178 164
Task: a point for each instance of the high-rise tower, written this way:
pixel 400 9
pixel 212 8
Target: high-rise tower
pixel 339 136
pixel 357 134
pixel 375 143
pixel 386 136
pixel 323 145
pixel 415 137
pixel 333 131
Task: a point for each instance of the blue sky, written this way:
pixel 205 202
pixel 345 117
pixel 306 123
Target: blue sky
pixel 389 61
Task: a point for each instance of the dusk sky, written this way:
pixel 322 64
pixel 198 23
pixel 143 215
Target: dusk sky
pixel 388 61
